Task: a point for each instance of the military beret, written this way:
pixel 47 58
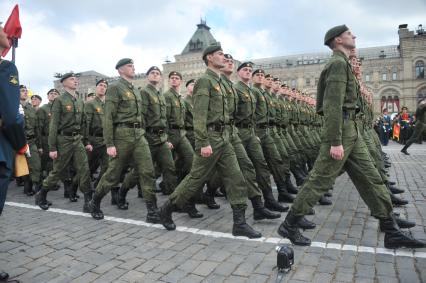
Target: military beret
pixel 123 62
pixel 333 32
pixel 211 49
pixel 404 107
pixel 228 56
pixel 275 79
pixel 90 94
pixel 283 85
pixel 174 73
pixel 36 96
pixel 245 64
pixel 67 75
pixel 189 82
pixel 102 81
pixel 53 90
pixel 153 68
pixel 258 71
pixel 22 86
pixel 268 76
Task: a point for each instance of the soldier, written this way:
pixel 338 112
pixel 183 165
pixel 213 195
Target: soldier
pixel 12 135
pixel 189 108
pixel 270 151
pixel 419 126
pixel 213 149
pixel 33 139
pixel 93 132
pixel 65 143
pixel 36 101
pixel 90 96
pixel 124 136
pixel 343 149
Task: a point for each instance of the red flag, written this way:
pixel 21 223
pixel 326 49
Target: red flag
pixel 12 28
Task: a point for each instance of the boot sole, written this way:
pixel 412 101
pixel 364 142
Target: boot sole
pixel 285 235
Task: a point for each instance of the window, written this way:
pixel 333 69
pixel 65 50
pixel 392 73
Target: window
pixel 384 77
pixel 394 76
pixel 420 70
pixel 293 83
pixel 308 82
pixel 367 78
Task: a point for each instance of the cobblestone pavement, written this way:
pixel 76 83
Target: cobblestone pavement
pixel 65 245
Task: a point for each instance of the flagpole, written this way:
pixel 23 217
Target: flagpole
pixel 14 45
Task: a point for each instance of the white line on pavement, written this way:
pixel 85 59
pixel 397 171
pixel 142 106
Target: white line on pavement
pixel 270 240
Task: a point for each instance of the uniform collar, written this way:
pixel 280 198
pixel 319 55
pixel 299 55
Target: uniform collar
pixel 225 78
pixel 66 93
pixel 340 54
pixel 151 87
pixel 212 74
pixel 126 82
pixel 175 93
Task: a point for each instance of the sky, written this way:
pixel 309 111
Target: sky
pixel 59 36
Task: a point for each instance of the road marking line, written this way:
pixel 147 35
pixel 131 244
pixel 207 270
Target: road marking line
pixel 214 234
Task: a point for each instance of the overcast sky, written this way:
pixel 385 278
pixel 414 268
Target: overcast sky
pixel 78 35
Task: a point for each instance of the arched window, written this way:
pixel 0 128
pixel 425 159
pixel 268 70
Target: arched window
pixel 420 70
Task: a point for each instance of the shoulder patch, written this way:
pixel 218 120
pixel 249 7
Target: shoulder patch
pixel 13 80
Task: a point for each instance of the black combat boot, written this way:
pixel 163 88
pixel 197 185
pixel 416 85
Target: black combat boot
pixel 121 198
pixel 272 204
pixel 289 185
pixel 402 223
pixel 166 212
pixel 259 210
pixel 209 200
pixel 153 215
pixel 240 227
pixel 95 207
pixel 73 193
pixel 67 188
pixel 192 210
pixel 395 238
pixel 37 188
pixel 114 195
pixel 87 199
pixel 392 183
pixel 394 190
pixel 325 201
pixel 283 195
pixel 404 149
pixel 289 229
pixel 397 201
pixel 40 199
pixel 28 186
pixel 305 224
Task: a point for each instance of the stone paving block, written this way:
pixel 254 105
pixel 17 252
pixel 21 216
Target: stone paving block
pixel 191 278
pixel 165 267
pixel 111 275
pixel 408 275
pixel 132 276
pixel 205 268
pixel 103 268
pixel 304 273
pixel 86 277
pixel 174 276
pixel 322 277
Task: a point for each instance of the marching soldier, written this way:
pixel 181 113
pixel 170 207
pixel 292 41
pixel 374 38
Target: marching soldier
pixel 65 143
pixel 419 126
pixel 189 109
pixel 213 149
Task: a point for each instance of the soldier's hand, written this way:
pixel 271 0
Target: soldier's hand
pixel 112 151
pixel 89 147
pixel 53 155
pixel 170 145
pixel 337 152
pixel 206 151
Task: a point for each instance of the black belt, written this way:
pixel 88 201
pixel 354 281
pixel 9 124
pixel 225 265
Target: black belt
pixel 99 135
pixel 262 126
pixel 216 127
pixel 129 125
pixel 175 127
pixel 245 125
pixel 189 128
pixel 156 131
pixel 68 134
pixel 30 137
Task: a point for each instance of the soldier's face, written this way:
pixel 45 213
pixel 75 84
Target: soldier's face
pixel 71 83
pixel 35 101
pixel 127 71
pixel 268 82
pixel 175 81
pixel 276 85
pixel 101 89
pixel 229 66
pixel 347 40
pixel 258 78
pixel 154 76
pixel 190 88
pixel 51 96
pixel 4 42
pixel 24 93
pixel 245 74
pixel 217 59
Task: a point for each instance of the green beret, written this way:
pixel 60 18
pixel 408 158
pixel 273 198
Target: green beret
pixel 36 96
pixel 189 82
pixel 153 68
pixel 91 94
pixel 211 49
pixel 268 76
pixel 258 71
pixel 275 79
pixel 245 64
pixel 22 86
pixel 53 90
pixel 123 62
pixel 174 73
pixel 67 75
pixel 102 81
pixel 228 56
pixel 333 32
